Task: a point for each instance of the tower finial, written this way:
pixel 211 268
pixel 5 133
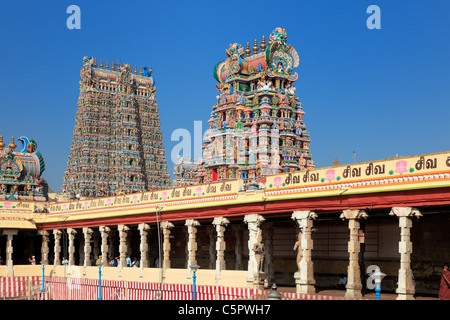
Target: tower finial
pixel 263 44
pixel 107 65
pixel 248 51
pixel 140 72
pixel 2 145
pixel 12 145
pixel 95 62
pixel 101 63
pixel 255 47
pixel 112 67
pixel 135 70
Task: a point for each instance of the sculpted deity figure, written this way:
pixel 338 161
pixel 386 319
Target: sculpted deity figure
pixel 258 249
pixel 298 247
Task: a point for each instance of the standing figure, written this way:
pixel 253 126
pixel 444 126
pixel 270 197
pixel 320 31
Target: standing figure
pixel 258 249
pixel 298 247
pixel 444 291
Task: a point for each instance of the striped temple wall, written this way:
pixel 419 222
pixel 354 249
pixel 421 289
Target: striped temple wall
pixel 58 288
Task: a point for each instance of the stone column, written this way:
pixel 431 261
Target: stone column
pixel 57 234
pixel 123 248
pixel 255 276
pixel 304 277
pixel 144 230
pixel 104 232
pixel 354 285
pixel 87 232
pixel 71 233
pixel 267 232
pixel 238 231
pixel 191 243
pixel 10 233
pixel 166 226
pixel 405 289
pixel 220 223
pixel 44 247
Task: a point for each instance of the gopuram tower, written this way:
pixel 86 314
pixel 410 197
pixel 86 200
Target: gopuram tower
pixel 256 126
pixel 117 143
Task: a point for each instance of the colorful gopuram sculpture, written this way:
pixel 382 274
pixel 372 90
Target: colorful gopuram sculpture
pixel 117 140
pixel 186 172
pixel 21 171
pixel 256 126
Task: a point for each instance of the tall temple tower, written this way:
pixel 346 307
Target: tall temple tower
pixel 117 140
pixel 256 126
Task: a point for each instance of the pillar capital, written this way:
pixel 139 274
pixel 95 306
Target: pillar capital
pixel 303 214
pixel 192 223
pixel 352 214
pixel 43 233
pixel 220 221
pixel 123 228
pixel 72 231
pixel 405 212
pixel 88 231
pixel 254 219
pixel 167 225
pixel 104 229
pixel 143 227
pixel 10 232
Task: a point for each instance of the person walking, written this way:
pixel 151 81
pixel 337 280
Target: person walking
pixel 444 291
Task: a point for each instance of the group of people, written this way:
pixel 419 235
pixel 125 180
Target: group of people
pixel 115 262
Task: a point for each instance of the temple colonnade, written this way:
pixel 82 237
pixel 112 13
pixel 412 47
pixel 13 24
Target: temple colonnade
pixel 220 244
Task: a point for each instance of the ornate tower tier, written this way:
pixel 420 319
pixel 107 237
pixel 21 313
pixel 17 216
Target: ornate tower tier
pixel 256 126
pixel 117 140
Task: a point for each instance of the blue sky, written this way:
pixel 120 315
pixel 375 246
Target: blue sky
pixel 376 92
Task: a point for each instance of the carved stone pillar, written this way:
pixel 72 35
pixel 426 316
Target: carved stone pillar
pixel 405 289
pixel 104 231
pixel 166 226
pixel 144 230
pixel 354 284
pixel 57 234
pixel 220 223
pixel 267 232
pixel 87 232
pixel 123 247
pixel 304 277
pixel 255 276
pixel 44 247
pixel 191 243
pixel 237 232
pixel 10 233
pixel 71 233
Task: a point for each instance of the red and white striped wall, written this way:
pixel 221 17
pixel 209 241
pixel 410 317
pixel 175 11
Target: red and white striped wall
pixel 58 288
